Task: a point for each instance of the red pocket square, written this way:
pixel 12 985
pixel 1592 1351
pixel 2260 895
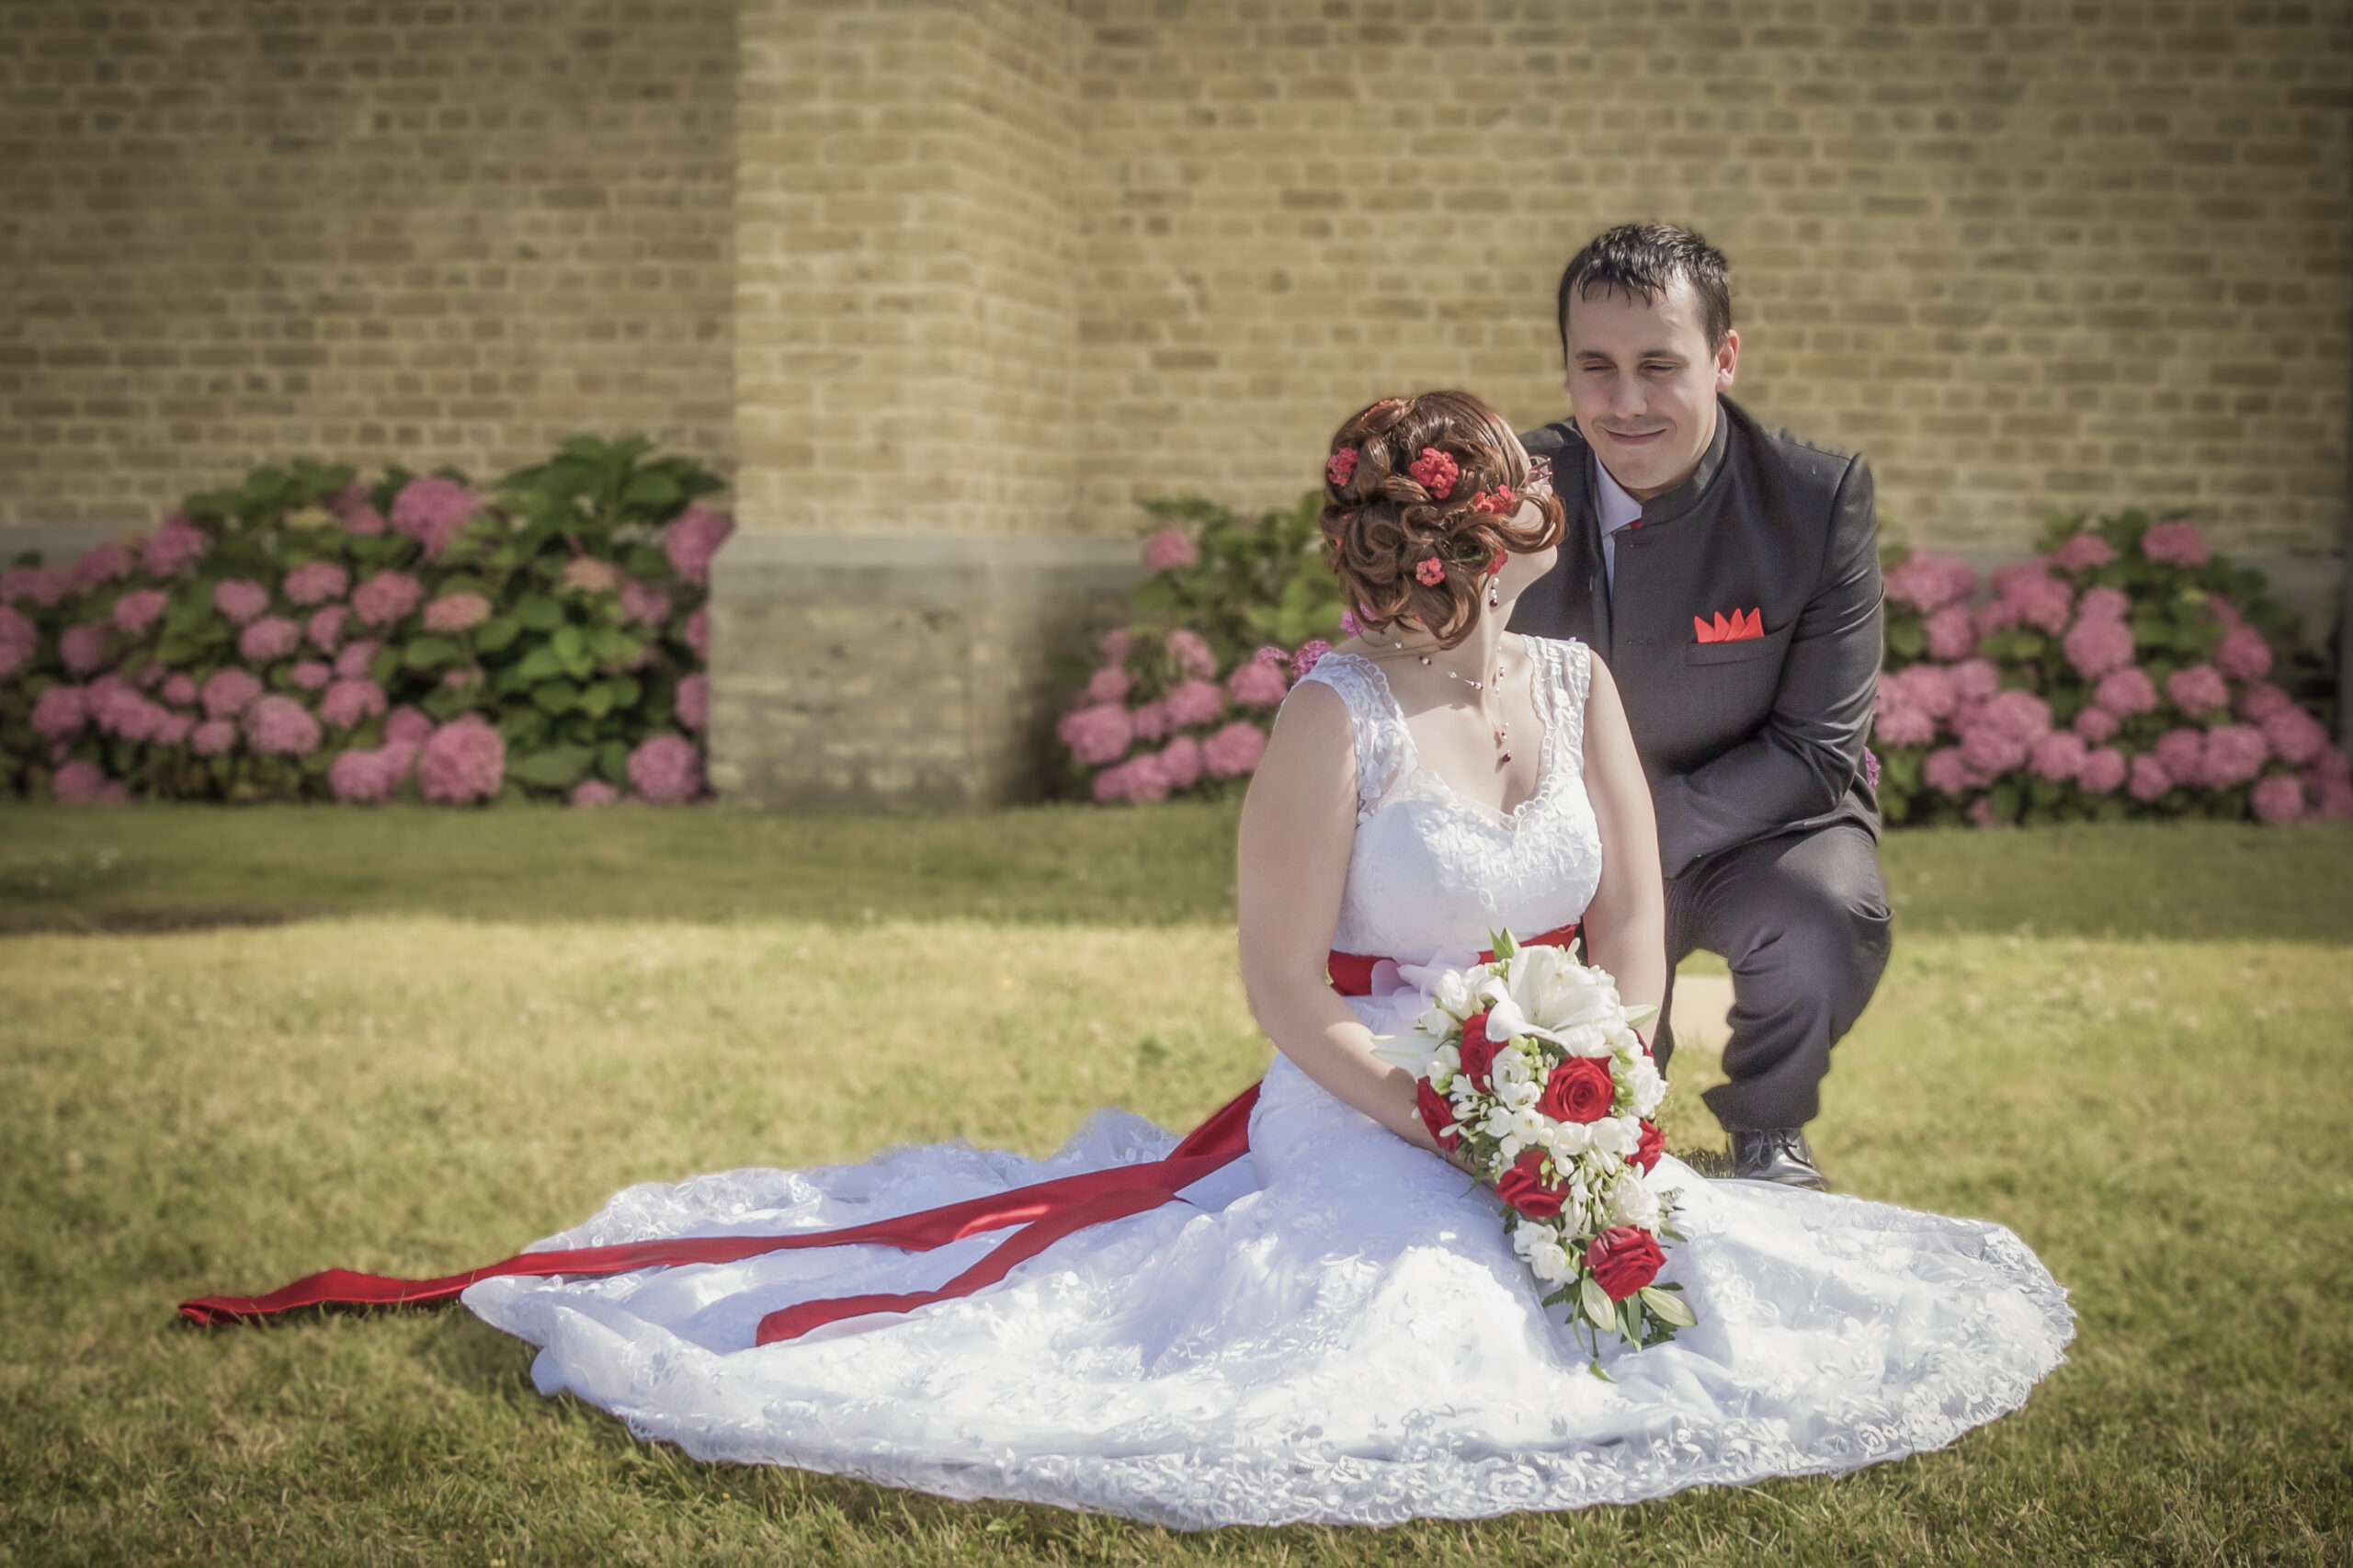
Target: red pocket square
pixel 1739 628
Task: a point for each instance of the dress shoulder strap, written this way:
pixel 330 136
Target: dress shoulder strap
pixel 1374 722
pixel 1566 666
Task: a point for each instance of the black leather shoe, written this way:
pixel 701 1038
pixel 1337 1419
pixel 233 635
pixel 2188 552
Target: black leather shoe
pixel 1778 1155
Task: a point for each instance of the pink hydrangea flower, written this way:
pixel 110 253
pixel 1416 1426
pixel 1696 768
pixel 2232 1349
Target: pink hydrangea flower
pixel 350 703
pixel 386 598
pixel 1989 749
pixel 84 647
pixel 2220 607
pixel 2278 799
pixel 2233 754
pixel 2148 779
pixel 2103 603
pixel 239 599
pixel 357 655
pixel 432 510
pixel 694 702
pixel 691 542
pixel 2261 699
pixel 83 784
pixel 456 613
pixel 1929 582
pixel 1974 680
pixel 2095 723
pixel 1149 721
pixel 350 498
pixel 1993 615
pixel 1309 653
pixel 174 729
pixel 463 761
pixel 2332 800
pixel 101 564
pixel 136 613
pixel 698 632
pixel 1258 685
pixel 213 737
pixel 279 726
pixel 2036 598
pixel 325 628
pixel 181 689
pixel 1108 684
pixel 2020 714
pixel 1170 551
pixel 2175 544
pixel 2058 757
pixel 60 711
pixel 1143 778
pixel 408 727
pixel 1116 644
pixel 365 521
pixel 1948 772
pixel 316 582
pixel 1929 688
pixel 2294 735
pixel 1951 633
pixel 1904 725
pixel 1192 654
pixel 369 777
pixel 2103 772
pixel 2243 654
pixel 588 574
pixel 1182 761
pixel 2126 692
pixel 271 638
pixel 1349 625
pixel 312 674
pixel 643 601
pixel 591 792
pixel 1194 702
pixel 666 770
pixel 1097 735
pixel 20 639
pixel 230 691
pixel 177 544
pixel 1234 750
pixel 41 586
pixel 2082 553
pixel 119 711
pixel 2096 645
pixel 1981 813
pixel 2198 690
pixel 2183 752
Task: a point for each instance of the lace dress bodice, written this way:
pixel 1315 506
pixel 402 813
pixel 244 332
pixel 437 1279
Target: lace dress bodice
pixel 1434 872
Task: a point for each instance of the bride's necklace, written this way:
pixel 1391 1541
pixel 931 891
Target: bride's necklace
pixel 1502 726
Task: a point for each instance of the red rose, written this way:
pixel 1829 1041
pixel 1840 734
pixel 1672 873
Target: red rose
pixel 1624 1259
pixel 1478 1052
pixel 1579 1089
pixel 1646 1152
pixel 1524 1189
pixel 1437 1115
pixel 1436 471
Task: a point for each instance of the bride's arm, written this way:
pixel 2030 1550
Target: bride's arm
pixel 1625 925
pixel 1298 825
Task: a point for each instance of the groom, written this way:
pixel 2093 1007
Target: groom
pixel 1729 575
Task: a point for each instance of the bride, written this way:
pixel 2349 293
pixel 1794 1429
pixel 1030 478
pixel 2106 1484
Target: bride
pixel 1335 1328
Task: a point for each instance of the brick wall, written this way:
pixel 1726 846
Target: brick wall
pixel 417 233
pixel 2022 256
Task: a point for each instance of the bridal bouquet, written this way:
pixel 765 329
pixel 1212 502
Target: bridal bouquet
pixel 1531 1076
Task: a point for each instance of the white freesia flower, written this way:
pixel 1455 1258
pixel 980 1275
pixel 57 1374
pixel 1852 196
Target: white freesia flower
pixel 1649 1088
pixel 1452 995
pixel 1631 1202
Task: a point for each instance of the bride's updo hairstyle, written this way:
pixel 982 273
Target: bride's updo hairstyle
pixel 1420 498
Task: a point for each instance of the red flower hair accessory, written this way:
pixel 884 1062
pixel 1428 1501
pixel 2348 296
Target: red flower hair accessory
pixel 1342 464
pixel 1495 566
pixel 1436 472
pixel 1429 571
pixel 1496 503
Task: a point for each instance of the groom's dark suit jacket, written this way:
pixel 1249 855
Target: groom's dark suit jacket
pixel 1742 739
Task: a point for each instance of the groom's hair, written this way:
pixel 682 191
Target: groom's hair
pixel 1642 261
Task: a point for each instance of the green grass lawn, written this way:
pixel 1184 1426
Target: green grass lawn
pixel 237 1046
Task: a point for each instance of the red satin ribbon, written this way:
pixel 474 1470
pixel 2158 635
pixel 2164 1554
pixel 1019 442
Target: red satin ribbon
pixel 1044 1213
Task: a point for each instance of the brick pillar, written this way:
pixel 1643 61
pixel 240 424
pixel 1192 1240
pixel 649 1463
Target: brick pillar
pixel 904 337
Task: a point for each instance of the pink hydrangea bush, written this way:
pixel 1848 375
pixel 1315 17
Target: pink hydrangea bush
pixel 317 636
pixel 2123 672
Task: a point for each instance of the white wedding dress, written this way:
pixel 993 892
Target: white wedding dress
pixel 1334 1329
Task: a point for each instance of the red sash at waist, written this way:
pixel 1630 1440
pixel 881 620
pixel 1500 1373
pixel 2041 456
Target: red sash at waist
pixel 1352 973
pixel 1040 1215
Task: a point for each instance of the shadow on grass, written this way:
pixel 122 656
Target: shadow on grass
pixel 161 869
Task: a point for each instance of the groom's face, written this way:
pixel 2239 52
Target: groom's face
pixel 1643 382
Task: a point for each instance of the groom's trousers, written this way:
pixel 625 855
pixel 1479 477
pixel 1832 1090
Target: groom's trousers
pixel 1802 920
